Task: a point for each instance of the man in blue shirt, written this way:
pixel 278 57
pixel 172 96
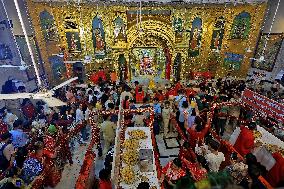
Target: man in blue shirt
pixel 180 98
pixel 158 115
pixel 19 137
pixel 157 107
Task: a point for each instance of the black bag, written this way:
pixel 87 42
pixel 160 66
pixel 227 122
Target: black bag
pixel 4 163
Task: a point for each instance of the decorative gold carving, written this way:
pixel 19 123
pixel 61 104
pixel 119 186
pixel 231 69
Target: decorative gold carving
pixel 156 31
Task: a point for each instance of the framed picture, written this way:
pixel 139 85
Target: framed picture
pixel 73 41
pixel 274 42
pixel 233 61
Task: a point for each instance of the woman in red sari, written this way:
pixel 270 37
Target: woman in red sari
pixel 52 173
pixel 171 173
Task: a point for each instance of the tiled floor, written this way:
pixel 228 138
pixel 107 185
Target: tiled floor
pixel 71 173
pixel 168 148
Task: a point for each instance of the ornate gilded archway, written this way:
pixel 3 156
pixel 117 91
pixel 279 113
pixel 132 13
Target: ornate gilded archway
pixel 152 28
pixel 153 34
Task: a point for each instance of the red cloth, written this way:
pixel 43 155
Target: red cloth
pixel 29 110
pixel 105 184
pixel 171 92
pixel 3 127
pixel 275 175
pixel 160 97
pixel 194 136
pixel 195 170
pixel 168 63
pixel 245 141
pixel 49 146
pixel 187 154
pixel 139 97
pixel 190 92
pixel 125 104
pixel 172 174
pixel 178 86
pixel 95 76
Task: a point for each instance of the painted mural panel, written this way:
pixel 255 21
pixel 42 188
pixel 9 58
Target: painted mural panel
pixel 48 27
pixel 73 41
pixel 233 61
pixel 218 34
pixel 178 26
pixel 98 35
pixel 119 29
pixel 241 26
pixel 58 67
pixel 195 37
pixel 270 53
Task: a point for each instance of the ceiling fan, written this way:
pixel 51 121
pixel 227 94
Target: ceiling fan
pixel 259 60
pixel 44 95
pixel 22 67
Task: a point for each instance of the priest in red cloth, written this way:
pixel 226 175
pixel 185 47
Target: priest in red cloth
pixel 95 77
pixel 275 175
pixel 245 141
pixel 171 92
pixel 139 95
pixel 160 96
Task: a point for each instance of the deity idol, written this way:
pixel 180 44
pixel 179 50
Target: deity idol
pixel 73 43
pixel 217 40
pixel 194 40
pixel 99 41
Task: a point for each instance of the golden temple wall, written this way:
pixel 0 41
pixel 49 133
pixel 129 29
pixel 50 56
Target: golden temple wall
pixel 161 27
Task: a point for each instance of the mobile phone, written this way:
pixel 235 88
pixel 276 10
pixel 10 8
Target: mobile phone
pixel 18 183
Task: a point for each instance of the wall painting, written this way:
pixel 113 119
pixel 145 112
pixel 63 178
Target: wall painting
pixel 218 34
pixel 241 26
pixel 48 27
pixel 233 61
pixel 98 36
pixel 195 37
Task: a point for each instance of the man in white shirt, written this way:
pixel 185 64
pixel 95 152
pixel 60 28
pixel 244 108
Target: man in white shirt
pixel 80 119
pixel 214 157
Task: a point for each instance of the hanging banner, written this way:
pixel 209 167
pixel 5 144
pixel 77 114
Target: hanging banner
pixel 265 105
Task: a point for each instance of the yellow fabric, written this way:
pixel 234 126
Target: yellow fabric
pixel 203 184
pixel 151 84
